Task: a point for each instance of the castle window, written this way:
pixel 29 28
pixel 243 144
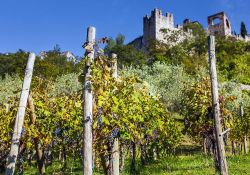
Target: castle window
pixel 227 23
pixel 216 21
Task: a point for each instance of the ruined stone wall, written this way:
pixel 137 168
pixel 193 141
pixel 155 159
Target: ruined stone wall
pixel 219 24
pixel 223 27
pixel 239 37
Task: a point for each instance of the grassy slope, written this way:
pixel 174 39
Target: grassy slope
pixel 196 164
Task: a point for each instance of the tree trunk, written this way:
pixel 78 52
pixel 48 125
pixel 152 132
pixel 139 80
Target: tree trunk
pixel 233 148
pixel 29 157
pixel 240 148
pixel 40 156
pixel 245 145
pixel 216 108
pixel 146 150
pixel 110 158
pixel 64 157
pixel 133 162
pixel 38 147
pixel 60 155
pixel 21 158
pixel 17 131
pixel 105 163
pixel 154 153
pixel 50 155
pixel 204 144
pixel 142 155
pixel 122 152
pixel 88 108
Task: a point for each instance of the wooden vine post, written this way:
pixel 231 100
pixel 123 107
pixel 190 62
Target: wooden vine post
pixel 115 148
pixel 18 126
pixel 88 98
pixel 245 137
pixel 221 155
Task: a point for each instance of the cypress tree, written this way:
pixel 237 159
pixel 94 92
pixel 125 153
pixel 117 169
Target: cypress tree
pixel 243 30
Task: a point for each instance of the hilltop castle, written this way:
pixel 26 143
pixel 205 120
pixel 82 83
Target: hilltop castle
pixel 161 26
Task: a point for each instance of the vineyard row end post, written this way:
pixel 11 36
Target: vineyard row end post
pixel 88 98
pixel 115 148
pixel 244 137
pixel 221 155
pixel 18 127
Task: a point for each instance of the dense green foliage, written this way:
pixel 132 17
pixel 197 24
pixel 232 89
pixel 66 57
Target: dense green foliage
pixel 127 54
pixel 159 98
pixel 191 52
pixel 53 64
pixel 164 80
pixel 13 63
pixel 233 58
pixel 124 105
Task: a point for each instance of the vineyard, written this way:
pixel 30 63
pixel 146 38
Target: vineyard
pixel 187 111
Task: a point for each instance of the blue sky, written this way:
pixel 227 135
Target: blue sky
pixel 36 25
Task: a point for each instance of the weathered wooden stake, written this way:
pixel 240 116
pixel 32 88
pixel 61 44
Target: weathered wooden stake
pixel 88 98
pixel 245 137
pixel 18 127
pixel 221 155
pixel 115 148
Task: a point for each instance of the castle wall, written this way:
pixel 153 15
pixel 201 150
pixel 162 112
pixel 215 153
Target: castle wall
pixel 149 29
pixel 239 37
pixel 152 25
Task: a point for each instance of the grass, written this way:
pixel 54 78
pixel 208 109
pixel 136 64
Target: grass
pixel 197 164
pixel 188 161
pixel 193 164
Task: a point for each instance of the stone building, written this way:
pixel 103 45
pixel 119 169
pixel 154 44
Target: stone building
pixel 153 24
pixel 219 24
pixel 159 27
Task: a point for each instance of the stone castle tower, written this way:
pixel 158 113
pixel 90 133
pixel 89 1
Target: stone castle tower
pixel 153 24
pixel 219 24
